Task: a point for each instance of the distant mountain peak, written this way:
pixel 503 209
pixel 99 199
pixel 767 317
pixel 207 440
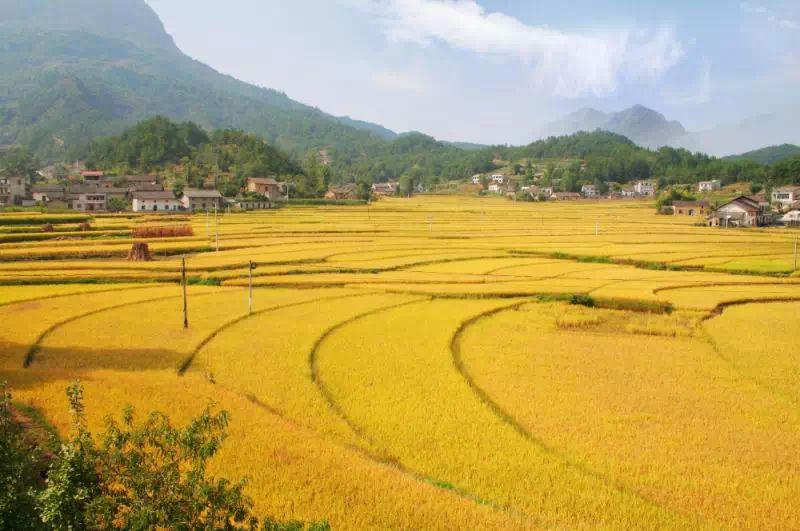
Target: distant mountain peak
pixel 130 20
pixel 641 124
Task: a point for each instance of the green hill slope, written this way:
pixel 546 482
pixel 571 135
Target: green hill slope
pixel 769 155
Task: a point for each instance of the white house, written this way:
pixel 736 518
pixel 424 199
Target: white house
pixel 709 186
pixel 741 212
pixel 496 188
pixel 786 195
pixel 628 192
pixel 498 178
pixel 589 190
pixel 644 188
pixel 792 217
pixel 156 202
pixel 476 179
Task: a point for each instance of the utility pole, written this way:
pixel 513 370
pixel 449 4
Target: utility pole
pixel 251 265
pixel 183 286
pixel 208 231
pixel 216 226
pixel 795 252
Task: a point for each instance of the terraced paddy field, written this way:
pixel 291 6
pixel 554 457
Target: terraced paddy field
pixel 437 362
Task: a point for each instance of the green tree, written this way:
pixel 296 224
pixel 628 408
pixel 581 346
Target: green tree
pixel 18 472
pixel 72 493
pixel 116 204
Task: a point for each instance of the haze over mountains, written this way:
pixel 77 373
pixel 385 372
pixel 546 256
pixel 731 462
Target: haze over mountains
pixel 73 70
pixel 651 129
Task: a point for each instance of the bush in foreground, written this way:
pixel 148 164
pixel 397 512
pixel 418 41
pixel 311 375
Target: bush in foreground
pixel 144 475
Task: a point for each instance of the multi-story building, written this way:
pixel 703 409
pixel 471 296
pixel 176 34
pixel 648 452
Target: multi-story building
pixel 786 196
pixel 644 188
pixel 709 186
pixel 198 200
pixel 12 190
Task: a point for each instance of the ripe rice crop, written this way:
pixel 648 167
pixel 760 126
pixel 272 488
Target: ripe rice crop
pixel 163 231
pixel 416 363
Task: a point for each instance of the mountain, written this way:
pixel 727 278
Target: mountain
pixel 73 70
pixel 770 129
pixel 768 155
pixel 643 126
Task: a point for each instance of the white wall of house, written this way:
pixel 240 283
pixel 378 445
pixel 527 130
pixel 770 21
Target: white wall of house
pixel 156 205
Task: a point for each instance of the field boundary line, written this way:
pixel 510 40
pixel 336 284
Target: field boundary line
pixel 508 419
pixel 187 362
pixel 389 460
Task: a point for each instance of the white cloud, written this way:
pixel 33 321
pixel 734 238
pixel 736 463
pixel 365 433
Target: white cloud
pixel 758 9
pixel 402 81
pixel 696 93
pixel 566 64
pixel 749 7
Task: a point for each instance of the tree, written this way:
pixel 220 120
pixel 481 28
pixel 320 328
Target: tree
pixel 177 188
pixel 18 162
pixel 73 484
pixel 116 204
pixel 147 475
pixel 18 472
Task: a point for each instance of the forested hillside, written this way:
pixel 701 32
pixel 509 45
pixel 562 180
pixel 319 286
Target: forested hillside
pixel 769 155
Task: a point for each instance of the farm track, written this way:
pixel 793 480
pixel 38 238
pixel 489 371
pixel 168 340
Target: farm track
pixel 508 419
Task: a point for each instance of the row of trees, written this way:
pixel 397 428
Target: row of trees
pixel 144 475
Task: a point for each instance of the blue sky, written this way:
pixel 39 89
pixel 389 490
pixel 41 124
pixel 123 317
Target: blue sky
pixel 496 71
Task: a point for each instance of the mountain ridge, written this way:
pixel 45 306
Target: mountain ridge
pixel 641 124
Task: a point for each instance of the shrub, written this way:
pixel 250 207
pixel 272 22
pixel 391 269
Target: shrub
pixel 163 231
pixel 145 475
pixel 582 300
pixel 48 227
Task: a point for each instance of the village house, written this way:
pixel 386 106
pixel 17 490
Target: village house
pixel 247 204
pixel 589 191
pixel 12 190
pixel 791 218
pixel 134 180
pixel 199 200
pixel 347 191
pixel 495 188
pixel 389 188
pixel 628 192
pixel 156 202
pixel 644 188
pixel 48 193
pixel 741 212
pixel 88 199
pixel 498 178
pixel 690 208
pixel 565 196
pixel 91 177
pixel 476 179
pixel 266 186
pixel 786 196
pixel 709 186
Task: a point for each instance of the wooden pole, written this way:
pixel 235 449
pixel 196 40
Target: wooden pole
pixel 250 287
pixel 183 285
pixel 216 226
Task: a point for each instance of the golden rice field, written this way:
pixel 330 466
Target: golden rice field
pixel 440 362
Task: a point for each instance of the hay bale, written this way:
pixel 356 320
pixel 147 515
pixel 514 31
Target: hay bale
pixel 140 252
